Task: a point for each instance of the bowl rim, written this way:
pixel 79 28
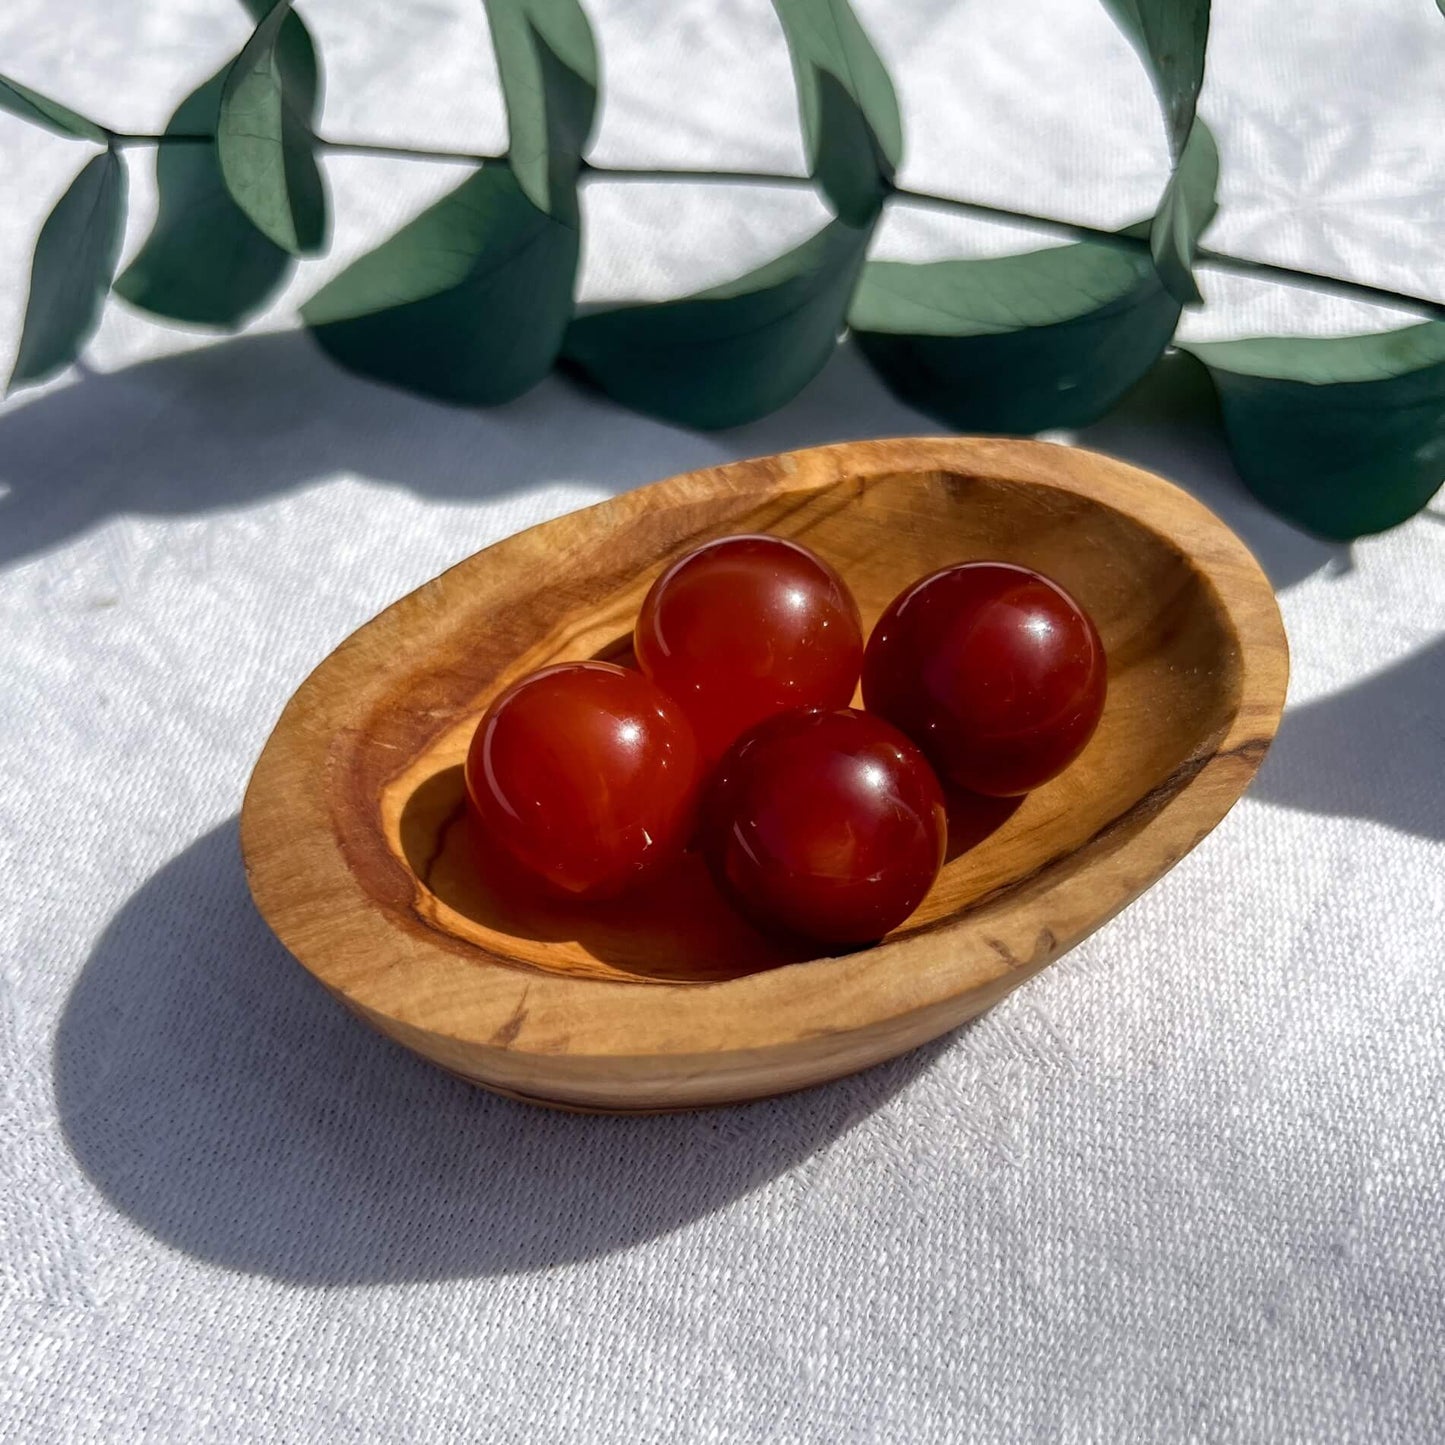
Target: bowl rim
pixel 507 1012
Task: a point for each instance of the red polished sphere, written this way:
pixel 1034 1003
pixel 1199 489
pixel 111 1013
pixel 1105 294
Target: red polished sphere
pixel 826 825
pixel 993 670
pixel 588 774
pixel 746 627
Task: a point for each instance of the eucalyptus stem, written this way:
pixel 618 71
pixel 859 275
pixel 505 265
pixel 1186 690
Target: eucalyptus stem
pixel 1218 260
pixel 383 152
pixel 741 178
pixel 1077 230
pixel 121 139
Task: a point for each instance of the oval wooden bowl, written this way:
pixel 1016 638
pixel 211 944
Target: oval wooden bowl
pixel 363 858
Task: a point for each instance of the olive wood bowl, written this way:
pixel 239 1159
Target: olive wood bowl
pixel 365 860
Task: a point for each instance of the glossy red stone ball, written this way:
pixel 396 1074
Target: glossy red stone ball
pixel 745 627
pixel 993 670
pixel 826 825
pixel 588 774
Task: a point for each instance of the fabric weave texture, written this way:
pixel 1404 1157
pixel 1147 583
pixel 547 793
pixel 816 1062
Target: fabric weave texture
pixel 1188 1184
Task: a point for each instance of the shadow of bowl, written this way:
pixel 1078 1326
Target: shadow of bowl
pixel 216 1095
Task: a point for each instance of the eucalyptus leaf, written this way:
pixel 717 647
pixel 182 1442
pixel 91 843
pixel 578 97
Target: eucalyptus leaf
pixel 41 110
pixel 547 60
pixel 1189 204
pixel 1171 36
pixel 735 352
pixel 852 130
pixel 75 258
pixel 1015 343
pixel 467 303
pixel 264 138
pixel 732 353
pixel 204 261
pixel 1344 435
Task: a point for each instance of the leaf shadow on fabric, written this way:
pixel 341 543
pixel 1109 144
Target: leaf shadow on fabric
pixel 262 415
pixel 215 1093
pixel 1374 751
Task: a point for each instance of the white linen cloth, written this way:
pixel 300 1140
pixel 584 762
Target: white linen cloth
pixel 1187 1184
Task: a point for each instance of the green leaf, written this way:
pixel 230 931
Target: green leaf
pixel 1015 343
pixel 1055 338
pixel 264 137
pixel 41 110
pixel 1343 435
pixel 1171 36
pixel 1184 214
pixel 735 352
pixel 75 258
pixel 204 262
pixel 470 301
pixel 467 303
pixel 851 125
pixel 732 353
pixel 547 60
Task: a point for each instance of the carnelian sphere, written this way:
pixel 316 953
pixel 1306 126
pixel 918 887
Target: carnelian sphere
pixel 826 825
pixel 588 774
pixel 993 670
pixel 745 627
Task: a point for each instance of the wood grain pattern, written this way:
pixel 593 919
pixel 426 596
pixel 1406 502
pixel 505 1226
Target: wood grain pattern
pixel 364 861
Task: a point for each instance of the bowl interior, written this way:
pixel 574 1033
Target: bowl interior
pixel 1174 684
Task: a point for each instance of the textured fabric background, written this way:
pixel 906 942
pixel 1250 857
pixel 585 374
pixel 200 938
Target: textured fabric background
pixel 1188 1184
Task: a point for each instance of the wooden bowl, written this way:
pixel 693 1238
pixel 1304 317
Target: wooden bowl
pixel 364 860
